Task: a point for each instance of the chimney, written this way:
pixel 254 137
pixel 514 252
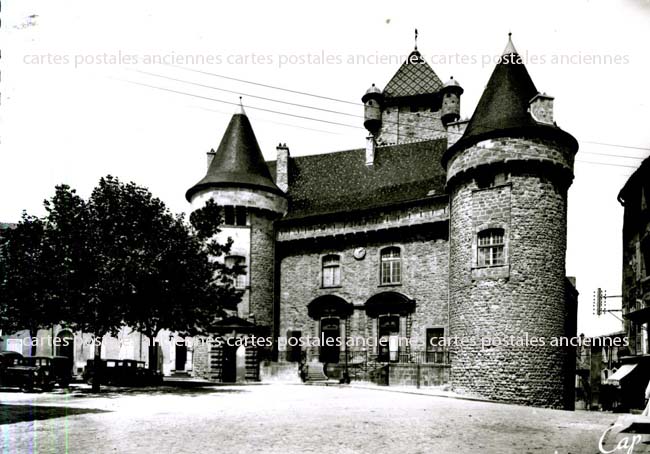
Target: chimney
pixel 541 108
pixel 371 146
pixel 210 155
pixel 282 167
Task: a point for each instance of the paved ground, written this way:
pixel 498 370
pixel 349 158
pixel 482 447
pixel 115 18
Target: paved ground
pixel 286 419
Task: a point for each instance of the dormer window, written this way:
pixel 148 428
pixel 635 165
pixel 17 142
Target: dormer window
pixel 490 247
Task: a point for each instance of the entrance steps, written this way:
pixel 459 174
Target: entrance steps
pixel 315 372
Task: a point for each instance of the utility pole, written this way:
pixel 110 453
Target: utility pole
pixel 599 302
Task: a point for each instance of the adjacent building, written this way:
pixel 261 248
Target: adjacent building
pixel 634 375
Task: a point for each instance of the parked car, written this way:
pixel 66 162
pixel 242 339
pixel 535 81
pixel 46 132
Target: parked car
pixel 122 372
pixel 9 359
pixel 30 373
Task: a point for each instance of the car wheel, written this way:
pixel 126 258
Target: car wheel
pixel 27 387
pixel 48 387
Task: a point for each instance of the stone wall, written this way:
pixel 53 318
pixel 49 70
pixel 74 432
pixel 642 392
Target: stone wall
pixel 525 296
pixel 404 124
pixel 424 278
pixel 262 268
pixel 407 374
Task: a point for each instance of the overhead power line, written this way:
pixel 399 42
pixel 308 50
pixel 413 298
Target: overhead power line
pixel 264 85
pixel 632 147
pixel 237 104
pixel 333 112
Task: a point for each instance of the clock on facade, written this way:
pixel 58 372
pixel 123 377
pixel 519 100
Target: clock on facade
pixel 359 253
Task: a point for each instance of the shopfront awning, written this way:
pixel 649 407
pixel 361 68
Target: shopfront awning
pixel 620 374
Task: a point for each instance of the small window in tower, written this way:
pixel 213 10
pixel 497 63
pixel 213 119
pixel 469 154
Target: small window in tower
pixel 240 215
pixel 331 271
pixel 490 247
pixel 237 260
pixel 391 266
pixel 229 215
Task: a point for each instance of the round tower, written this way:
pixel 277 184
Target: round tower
pixel 508 178
pixel 450 92
pixel 372 102
pixel 239 181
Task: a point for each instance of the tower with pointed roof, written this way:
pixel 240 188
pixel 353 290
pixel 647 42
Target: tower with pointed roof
pixel 414 106
pixel 507 180
pixel 239 181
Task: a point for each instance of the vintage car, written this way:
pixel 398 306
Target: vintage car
pixel 122 372
pixel 30 373
pixel 42 372
pixel 9 359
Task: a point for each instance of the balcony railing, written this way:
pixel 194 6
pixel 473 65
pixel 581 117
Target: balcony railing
pixel 412 357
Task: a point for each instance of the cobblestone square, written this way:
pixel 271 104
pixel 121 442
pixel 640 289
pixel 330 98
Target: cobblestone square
pixel 288 419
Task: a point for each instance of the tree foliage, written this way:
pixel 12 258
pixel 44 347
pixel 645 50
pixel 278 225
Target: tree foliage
pixel 121 258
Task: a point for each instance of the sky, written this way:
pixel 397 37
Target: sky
pixel 77 103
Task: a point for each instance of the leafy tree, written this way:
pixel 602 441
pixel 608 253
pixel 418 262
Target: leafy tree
pixel 28 300
pixel 121 258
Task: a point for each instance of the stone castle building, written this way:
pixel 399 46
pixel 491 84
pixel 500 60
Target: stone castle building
pixel 439 229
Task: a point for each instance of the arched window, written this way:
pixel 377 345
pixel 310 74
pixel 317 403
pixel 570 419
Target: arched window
pixel 391 266
pixel 331 271
pixel 490 247
pixel 237 260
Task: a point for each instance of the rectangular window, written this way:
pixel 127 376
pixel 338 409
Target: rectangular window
pixel 331 271
pixel 234 215
pixel 391 266
pixel 229 215
pixel 294 350
pixel 236 260
pixel 435 350
pixel 240 216
pixel 490 247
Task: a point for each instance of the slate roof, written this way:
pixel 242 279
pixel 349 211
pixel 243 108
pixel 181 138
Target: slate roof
pixel 238 161
pixel 414 77
pixel 640 175
pixel 339 182
pixel 502 110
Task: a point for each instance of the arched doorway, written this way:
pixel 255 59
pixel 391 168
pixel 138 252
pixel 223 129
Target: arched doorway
pixel 64 344
pixel 330 311
pixel 390 312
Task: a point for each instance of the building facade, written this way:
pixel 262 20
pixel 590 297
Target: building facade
pixel 413 260
pixel 634 375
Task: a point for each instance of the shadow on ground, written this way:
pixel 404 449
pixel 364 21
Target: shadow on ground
pixel 179 388
pixel 10 414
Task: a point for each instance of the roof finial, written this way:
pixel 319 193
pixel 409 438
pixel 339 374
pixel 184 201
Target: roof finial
pixel 416 39
pixel 510 48
pixel 241 107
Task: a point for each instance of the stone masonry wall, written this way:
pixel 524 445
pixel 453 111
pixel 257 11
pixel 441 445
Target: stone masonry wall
pixel 424 278
pixel 526 296
pixel 404 124
pixel 262 268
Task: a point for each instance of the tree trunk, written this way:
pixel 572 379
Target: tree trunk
pixel 153 351
pixel 33 334
pixel 97 372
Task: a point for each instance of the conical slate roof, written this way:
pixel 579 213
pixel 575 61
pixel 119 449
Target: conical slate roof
pixel 503 107
pixel 414 77
pixel 238 161
pixel 504 103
